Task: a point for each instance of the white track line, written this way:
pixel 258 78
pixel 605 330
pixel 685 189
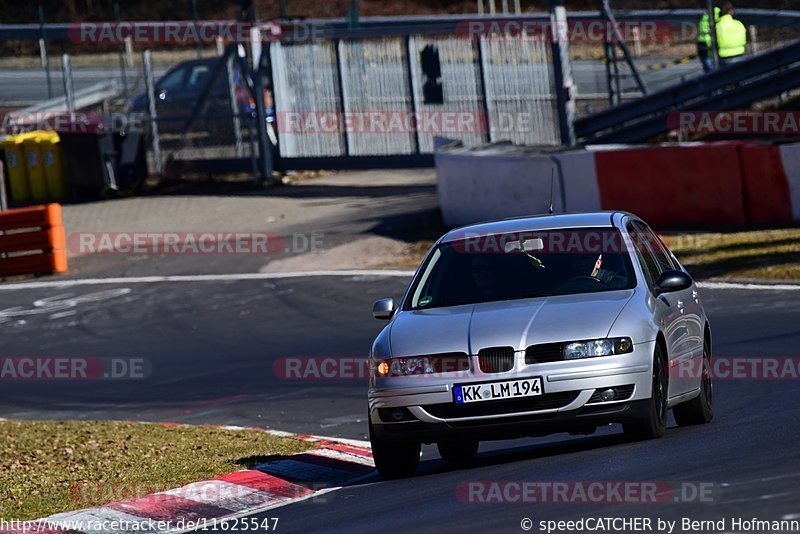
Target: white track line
pixel 200 278
pixel 305 274
pixel 754 287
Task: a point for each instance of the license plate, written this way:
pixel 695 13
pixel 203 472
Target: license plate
pixel 510 389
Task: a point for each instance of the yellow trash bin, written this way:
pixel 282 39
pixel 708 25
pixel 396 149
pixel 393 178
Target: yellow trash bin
pixel 33 162
pixel 56 178
pixel 15 163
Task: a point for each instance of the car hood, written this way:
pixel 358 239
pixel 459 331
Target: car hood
pixel 515 323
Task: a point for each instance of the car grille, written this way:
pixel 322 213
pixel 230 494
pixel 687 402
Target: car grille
pixel 549 401
pixel 450 362
pixel 623 393
pixel 549 352
pixel 496 359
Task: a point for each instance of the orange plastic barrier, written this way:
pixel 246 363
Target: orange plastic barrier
pixel 766 189
pixel 674 186
pixel 32 241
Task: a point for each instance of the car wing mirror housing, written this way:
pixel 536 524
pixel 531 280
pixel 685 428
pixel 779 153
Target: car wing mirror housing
pixel 383 309
pixel 670 281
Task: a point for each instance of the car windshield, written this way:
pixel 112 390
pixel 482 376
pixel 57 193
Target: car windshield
pixel 508 266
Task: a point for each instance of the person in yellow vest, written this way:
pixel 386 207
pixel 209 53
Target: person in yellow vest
pixel 704 40
pixel 731 36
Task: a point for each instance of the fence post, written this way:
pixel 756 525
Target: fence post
pixel 409 73
pixel 69 88
pixel 194 22
pixel 753 39
pixel 151 108
pixel 562 72
pixel 3 196
pixel 237 123
pixel 43 51
pixel 482 83
pixel 264 152
pixel 337 46
pixel 128 51
pixel 122 69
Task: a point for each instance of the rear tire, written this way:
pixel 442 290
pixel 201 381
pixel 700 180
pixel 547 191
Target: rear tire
pixel 699 410
pixel 394 458
pixel 460 452
pixel 654 423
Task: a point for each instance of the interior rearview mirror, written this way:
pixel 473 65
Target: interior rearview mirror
pixel 383 309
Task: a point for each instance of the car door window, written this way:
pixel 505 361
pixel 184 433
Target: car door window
pixel 199 77
pixel 648 262
pixel 173 80
pixel 656 247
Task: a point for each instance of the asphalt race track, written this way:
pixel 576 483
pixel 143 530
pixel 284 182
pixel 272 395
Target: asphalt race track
pixel 210 349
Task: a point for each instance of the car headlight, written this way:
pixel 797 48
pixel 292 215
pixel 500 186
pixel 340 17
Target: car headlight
pixel 597 347
pixel 417 365
pixel 421 365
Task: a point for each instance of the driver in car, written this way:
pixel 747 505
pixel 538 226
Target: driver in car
pixel 587 263
pixel 484 277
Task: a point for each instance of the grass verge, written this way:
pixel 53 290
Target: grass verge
pixel 54 466
pixel 758 254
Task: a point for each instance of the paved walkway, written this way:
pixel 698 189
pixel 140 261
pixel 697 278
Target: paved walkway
pixel 319 214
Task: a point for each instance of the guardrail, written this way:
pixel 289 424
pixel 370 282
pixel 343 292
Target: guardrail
pixel 729 87
pixel 32 241
pixel 87 97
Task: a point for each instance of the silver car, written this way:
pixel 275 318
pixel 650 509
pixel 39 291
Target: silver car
pixel 537 325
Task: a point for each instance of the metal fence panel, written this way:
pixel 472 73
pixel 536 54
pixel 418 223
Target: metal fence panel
pixel 463 95
pixel 377 97
pixel 520 90
pixel 307 101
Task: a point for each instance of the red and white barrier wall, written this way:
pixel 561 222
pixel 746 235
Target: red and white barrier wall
pixel 689 185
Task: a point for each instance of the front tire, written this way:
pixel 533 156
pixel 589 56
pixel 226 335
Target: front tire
pixel 460 452
pixel 394 458
pixel 699 410
pixel 654 423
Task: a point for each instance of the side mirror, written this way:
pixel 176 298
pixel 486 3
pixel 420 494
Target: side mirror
pixel 383 309
pixel 670 281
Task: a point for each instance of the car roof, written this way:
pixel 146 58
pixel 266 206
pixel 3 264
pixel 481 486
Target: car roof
pixel 193 62
pixel 597 219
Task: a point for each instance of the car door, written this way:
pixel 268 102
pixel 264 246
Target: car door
pixel 688 330
pixel 170 99
pixel 693 317
pixel 665 308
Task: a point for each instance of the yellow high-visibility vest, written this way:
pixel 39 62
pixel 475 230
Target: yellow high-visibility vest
pixel 731 36
pixel 704 27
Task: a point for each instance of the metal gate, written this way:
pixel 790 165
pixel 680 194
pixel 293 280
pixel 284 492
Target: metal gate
pixel 346 102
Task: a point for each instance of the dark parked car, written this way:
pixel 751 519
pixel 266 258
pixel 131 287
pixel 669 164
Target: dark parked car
pixel 178 90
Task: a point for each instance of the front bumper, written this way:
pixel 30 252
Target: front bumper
pixel 569 402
